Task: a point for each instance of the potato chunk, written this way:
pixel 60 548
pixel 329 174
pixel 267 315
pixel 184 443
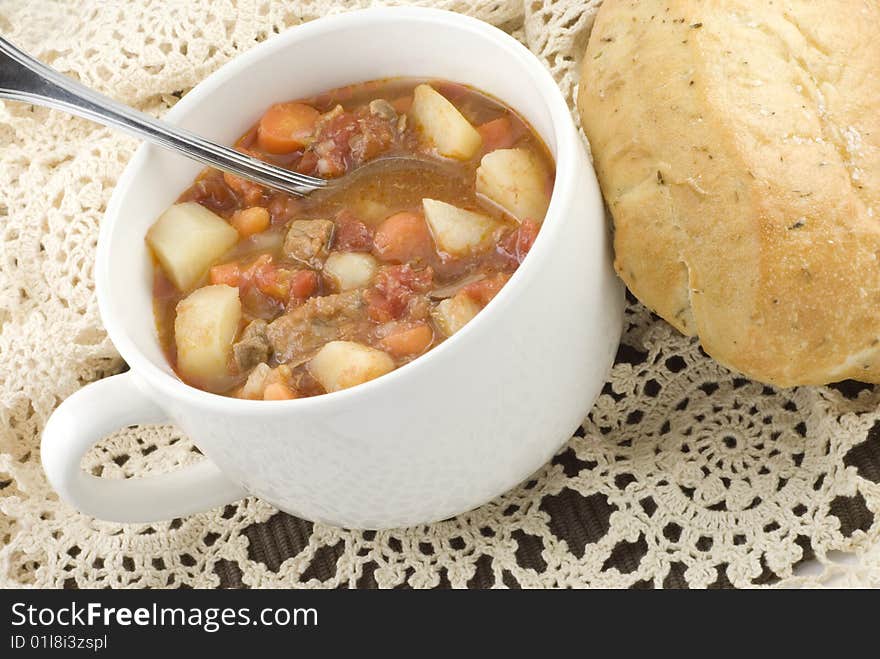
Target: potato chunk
pixel 343 364
pixel 515 180
pixel 350 270
pixel 187 239
pixel 204 329
pixel 443 125
pixel 454 313
pixel 457 231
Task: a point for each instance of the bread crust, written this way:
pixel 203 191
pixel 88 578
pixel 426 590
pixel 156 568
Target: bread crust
pixel 738 147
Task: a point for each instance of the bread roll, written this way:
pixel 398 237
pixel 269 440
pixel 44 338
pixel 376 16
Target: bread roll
pixel 738 147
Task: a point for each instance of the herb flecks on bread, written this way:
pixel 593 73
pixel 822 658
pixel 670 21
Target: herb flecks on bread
pixel 738 147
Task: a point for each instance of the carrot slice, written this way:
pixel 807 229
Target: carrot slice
pixel 403 237
pixel 286 127
pixel 408 342
pixel 278 391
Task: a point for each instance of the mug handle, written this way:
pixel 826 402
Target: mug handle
pixel 92 413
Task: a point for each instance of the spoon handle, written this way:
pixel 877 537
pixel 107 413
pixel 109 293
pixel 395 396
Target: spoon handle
pixel 23 78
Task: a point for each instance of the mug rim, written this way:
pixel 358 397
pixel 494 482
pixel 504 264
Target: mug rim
pixel 567 172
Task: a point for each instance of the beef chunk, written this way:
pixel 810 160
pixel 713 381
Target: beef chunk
pixel 253 346
pixel 308 241
pixel 299 333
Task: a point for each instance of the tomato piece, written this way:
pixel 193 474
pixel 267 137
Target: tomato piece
pixel 268 278
pixel 352 235
pixel 345 140
pixel 394 287
pixel 403 237
pixel 286 127
pixel 303 283
pixel 250 221
pixel 484 290
pixel 497 134
pixel 307 163
pixel 271 282
pixel 408 342
pixel 380 307
pixel 332 145
pixel 517 244
pixel 407 277
pixel 248 191
pixel 227 273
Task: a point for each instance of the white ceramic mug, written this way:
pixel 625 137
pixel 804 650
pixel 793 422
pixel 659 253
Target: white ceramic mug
pixel 439 436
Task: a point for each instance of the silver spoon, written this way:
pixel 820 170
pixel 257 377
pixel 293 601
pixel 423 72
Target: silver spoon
pixel 23 78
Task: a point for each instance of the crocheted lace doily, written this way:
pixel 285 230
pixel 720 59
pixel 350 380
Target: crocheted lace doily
pixel 683 475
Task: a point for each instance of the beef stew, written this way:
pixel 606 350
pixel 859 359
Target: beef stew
pixel 262 295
